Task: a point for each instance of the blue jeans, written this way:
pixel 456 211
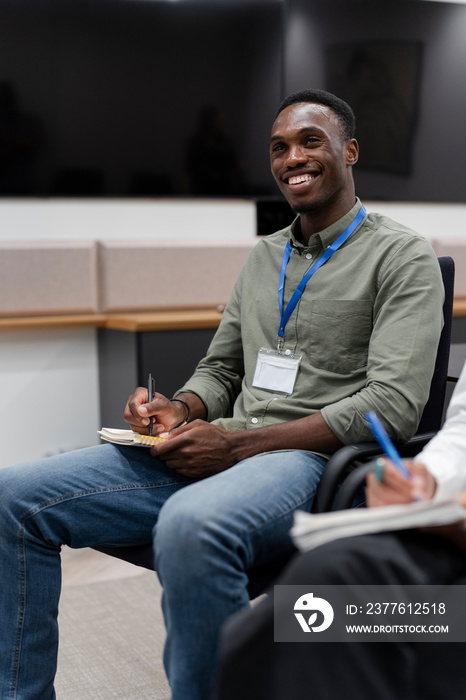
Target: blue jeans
pixel 207 535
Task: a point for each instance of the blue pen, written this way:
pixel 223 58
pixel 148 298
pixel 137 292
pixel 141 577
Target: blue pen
pixel 386 444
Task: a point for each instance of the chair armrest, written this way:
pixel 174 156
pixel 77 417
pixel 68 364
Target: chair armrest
pixel 339 464
pixel 336 470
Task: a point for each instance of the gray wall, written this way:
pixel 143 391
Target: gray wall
pixel 438 171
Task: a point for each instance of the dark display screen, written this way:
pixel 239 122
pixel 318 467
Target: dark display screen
pixel 149 98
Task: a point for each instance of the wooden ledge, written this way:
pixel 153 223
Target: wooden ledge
pixel 459 307
pixel 175 320
pixel 34 323
pixel 165 320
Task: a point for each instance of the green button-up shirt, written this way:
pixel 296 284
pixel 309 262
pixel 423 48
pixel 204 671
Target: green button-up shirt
pixel 367 327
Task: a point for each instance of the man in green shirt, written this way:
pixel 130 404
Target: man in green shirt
pixel 334 316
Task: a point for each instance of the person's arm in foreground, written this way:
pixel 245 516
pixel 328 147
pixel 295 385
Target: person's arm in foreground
pixel 396 489
pixel 439 470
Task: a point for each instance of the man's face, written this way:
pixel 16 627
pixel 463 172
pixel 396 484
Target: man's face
pixel 309 157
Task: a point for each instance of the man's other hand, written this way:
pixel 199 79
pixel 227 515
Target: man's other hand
pixel 197 450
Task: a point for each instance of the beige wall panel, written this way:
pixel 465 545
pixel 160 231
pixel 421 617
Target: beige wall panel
pixel 47 277
pixel 141 275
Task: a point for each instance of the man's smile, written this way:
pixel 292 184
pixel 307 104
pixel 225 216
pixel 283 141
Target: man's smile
pixel 299 179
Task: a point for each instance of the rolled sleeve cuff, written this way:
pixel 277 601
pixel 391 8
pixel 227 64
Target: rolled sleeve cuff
pixel 344 420
pixel 216 403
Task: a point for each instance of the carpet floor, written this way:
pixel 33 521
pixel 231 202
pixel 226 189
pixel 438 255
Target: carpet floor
pixel 111 641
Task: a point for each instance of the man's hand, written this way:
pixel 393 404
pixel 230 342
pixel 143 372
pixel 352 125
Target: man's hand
pixel 197 450
pixel 394 488
pixel 166 414
pixel 201 449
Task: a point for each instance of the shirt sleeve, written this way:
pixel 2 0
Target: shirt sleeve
pixel 445 455
pixel 407 323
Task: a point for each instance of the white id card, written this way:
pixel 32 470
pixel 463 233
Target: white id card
pixel 276 371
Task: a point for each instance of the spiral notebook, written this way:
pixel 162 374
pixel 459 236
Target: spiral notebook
pixel 128 437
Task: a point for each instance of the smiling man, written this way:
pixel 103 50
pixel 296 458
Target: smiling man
pixel 336 315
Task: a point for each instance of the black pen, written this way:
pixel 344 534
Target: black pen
pixel 151 392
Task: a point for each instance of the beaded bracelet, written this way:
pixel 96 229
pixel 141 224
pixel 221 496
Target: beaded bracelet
pixel 188 409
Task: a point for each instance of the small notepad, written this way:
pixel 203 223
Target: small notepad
pixel 128 437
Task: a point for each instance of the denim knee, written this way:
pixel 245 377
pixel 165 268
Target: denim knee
pixel 187 537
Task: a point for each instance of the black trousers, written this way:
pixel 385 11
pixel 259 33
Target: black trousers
pixel 254 667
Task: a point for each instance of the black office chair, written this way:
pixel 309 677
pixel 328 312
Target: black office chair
pixel 342 480
pixel 260 577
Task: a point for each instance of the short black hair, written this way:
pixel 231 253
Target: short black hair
pixel 343 111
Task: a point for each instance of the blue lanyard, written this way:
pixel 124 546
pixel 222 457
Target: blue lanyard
pixel 337 243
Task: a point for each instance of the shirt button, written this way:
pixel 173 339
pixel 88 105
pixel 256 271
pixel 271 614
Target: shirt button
pixel 254 420
pixel 308 256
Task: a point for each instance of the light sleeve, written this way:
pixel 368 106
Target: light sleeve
pixel 445 454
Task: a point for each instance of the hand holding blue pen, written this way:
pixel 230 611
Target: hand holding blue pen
pixel 386 444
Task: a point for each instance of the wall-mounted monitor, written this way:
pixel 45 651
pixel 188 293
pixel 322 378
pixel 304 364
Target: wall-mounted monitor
pixel 137 97
pixel 148 98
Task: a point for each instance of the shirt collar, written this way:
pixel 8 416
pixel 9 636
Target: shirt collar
pixel 325 237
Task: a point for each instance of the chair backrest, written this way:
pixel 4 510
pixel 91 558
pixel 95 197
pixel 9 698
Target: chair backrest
pixel 431 419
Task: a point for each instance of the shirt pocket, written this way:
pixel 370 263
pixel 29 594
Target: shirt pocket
pixel 340 332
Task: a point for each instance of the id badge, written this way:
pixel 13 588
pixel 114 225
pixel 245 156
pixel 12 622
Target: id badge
pixel 276 370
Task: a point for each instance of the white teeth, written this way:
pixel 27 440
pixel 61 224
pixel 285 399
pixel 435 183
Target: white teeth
pixel 299 178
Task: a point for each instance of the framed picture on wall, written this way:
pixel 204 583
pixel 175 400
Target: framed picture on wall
pixel 381 83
